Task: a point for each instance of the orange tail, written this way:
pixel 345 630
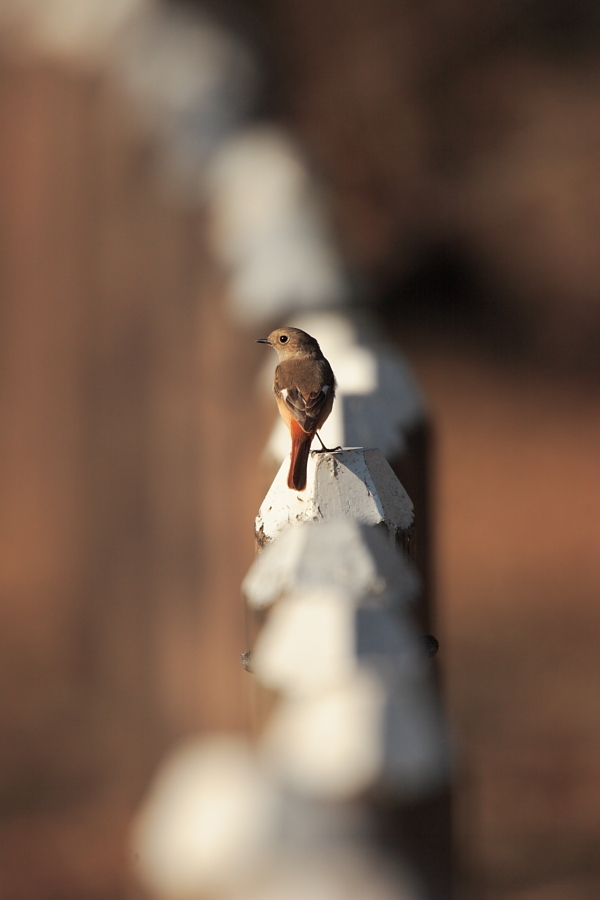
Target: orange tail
pixel 301 442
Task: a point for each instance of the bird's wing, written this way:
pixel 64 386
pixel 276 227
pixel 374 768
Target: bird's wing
pixel 307 409
pixel 307 404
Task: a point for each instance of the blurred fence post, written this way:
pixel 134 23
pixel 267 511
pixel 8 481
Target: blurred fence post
pixel 328 580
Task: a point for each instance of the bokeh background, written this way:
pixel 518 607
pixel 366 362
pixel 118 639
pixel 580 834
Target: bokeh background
pixel 458 149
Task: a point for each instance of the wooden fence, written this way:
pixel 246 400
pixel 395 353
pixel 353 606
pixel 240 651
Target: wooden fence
pixel 128 493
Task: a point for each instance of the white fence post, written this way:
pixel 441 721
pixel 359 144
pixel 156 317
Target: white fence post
pixel 353 715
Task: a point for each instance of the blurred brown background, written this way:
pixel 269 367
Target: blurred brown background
pixel 460 144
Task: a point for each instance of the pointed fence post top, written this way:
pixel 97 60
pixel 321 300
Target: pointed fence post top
pixel 339 553
pixel 355 483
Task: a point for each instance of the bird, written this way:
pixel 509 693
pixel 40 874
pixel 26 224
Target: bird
pixel 304 387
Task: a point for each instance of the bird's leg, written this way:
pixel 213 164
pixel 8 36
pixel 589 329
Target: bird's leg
pixel 325 449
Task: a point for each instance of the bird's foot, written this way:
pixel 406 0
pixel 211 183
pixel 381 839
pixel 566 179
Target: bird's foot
pixel 325 449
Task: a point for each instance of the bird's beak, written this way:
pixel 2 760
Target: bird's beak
pixel 262 341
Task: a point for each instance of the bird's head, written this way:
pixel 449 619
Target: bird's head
pixel 291 342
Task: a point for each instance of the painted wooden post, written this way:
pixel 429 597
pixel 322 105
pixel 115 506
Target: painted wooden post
pixel 353 711
pixel 353 723
pixel 340 637
pixel 354 719
pixel 354 483
pixel 378 403
pixel 216 825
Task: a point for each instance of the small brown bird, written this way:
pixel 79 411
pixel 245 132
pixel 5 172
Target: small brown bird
pixel 304 388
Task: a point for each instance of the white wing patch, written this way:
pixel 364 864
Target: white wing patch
pixel 325 389
pixel 284 393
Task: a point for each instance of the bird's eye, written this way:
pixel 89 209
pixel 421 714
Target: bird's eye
pixel 283 339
